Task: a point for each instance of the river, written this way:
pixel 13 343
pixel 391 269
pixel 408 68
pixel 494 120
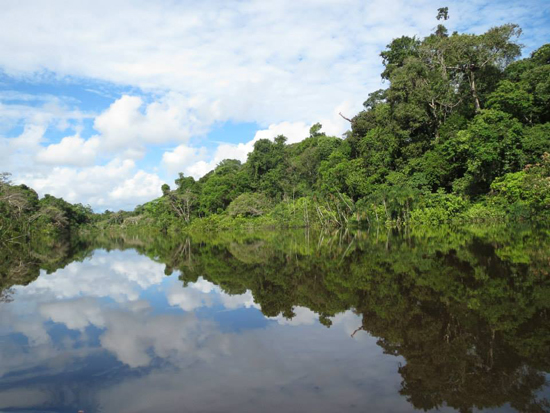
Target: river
pixel 278 321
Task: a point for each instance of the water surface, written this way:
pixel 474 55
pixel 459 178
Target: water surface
pixel 278 322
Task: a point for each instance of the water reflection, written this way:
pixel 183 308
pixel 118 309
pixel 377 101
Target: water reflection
pixel 453 320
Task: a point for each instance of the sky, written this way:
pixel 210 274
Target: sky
pixel 102 102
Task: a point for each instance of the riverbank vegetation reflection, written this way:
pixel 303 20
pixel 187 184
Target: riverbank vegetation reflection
pixel 466 311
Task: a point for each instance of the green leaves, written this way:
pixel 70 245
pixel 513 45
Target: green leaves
pixel 492 143
pixel 248 204
pixel 529 189
pixel 458 115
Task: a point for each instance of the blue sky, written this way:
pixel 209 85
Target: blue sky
pixel 102 102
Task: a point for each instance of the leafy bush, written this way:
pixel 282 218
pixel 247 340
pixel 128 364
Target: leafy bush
pixel 249 205
pixel 528 190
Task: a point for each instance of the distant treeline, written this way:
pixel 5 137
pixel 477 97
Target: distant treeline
pixel 23 214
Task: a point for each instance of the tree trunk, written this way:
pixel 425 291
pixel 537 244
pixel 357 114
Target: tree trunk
pixel 471 75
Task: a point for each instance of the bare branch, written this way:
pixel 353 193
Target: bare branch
pixel 349 120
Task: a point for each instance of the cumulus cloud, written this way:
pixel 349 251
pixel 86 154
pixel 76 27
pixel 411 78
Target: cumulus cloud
pixel 232 302
pixel 17 154
pixel 203 293
pixel 295 131
pixel 18 108
pixel 71 150
pixel 134 338
pixel 254 60
pixel 171 347
pixel 142 186
pixel 130 122
pixel 75 314
pixel 182 157
pixel 193 161
pixel 188 299
pixel 34 330
pixel 30 138
pixel 118 184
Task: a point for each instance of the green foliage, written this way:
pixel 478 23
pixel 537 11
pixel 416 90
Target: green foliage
pixel 447 140
pixel 492 144
pixel 438 208
pixel 465 309
pixel 397 52
pixel 221 186
pixel 248 204
pixel 536 142
pixel 23 214
pixel 526 191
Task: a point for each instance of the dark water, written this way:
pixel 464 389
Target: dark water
pixel 278 322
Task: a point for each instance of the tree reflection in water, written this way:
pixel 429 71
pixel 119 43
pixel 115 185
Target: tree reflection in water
pixel 467 309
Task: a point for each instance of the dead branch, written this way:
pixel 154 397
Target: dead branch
pixel 348 119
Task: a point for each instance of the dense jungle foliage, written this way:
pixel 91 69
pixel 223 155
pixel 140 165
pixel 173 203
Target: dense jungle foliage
pixel 461 132
pixel 467 309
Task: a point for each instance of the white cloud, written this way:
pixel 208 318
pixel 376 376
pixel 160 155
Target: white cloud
pixel 203 294
pixel 188 299
pixel 252 60
pixel 142 186
pixel 116 185
pixel 75 314
pixel 130 122
pixel 17 154
pixel 175 347
pixel 200 168
pixel 18 108
pixel 132 338
pixel 184 159
pixel 29 139
pixel 245 300
pixel 71 150
pixel 181 157
pixel 294 132
pixel 248 48
pixel 34 330
pixel 204 286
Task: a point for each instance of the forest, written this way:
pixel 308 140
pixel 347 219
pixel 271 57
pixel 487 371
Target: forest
pixel 461 133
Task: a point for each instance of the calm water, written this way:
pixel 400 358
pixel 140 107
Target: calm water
pixel 278 322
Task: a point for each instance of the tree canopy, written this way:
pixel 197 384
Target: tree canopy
pixel 460 117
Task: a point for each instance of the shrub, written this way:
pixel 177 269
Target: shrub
pixel 249 205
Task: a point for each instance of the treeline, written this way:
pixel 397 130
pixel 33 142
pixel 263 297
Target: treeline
pixel 23 214
pixel 461 132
